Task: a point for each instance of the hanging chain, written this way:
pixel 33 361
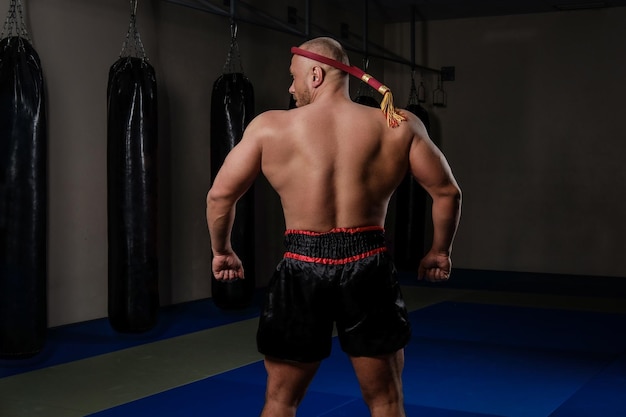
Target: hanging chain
pixel 14 24
pixel 132 46
pixel 439 95
pixel 367 89
pixel 413 98
pixel 233 60
pixel 417 94
pixel 421 93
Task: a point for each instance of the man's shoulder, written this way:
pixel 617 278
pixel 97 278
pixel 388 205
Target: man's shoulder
pixel 266 119
pixel 411 122
pixel 269 116
pixel 267 125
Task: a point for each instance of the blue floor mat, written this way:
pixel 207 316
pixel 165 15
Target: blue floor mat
pixel 563 330
pixel 240 393
pixel 95 337
pixel 219 396
pixel 357 408
pixel 512 361
pixel 464 360
pixel 602 396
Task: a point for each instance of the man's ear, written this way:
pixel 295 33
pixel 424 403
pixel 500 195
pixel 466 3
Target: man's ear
pixel 318 76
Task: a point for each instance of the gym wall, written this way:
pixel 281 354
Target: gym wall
pixel 77 42
pixel 534 132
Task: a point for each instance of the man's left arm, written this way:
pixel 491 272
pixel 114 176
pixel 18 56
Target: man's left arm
pixel 238 172
pixel 430 168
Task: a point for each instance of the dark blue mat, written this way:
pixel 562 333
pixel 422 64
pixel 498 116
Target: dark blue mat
pixel 240 393
pixel 602 396
pixel 83 340
pixel 529 328
pixel 511 361
pixel 219 396
pixel 464 360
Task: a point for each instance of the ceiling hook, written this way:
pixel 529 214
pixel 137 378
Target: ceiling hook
pixel 233 29
pixel 366 63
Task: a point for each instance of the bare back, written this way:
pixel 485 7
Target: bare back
pixel 334 165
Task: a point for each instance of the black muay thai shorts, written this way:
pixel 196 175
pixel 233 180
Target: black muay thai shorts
pixel 343 277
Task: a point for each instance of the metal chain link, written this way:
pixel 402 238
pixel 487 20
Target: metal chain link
pixel 14 23
pixel 133 46
pixel 417 94
pixel 233 60
pixel 413 97
pixel 365 89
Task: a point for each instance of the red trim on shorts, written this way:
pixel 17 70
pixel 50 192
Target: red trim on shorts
pixel 330 261
pixel 335 230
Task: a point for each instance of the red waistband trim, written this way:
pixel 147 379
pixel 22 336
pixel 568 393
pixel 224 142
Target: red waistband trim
pixel 335 230
pixel 330 261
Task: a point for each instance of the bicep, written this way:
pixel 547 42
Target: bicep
pixel 429 166
pixel 239 170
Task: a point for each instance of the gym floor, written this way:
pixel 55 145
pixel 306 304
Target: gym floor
pixel 474 352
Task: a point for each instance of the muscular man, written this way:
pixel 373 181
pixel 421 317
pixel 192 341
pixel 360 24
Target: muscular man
pixel 335 165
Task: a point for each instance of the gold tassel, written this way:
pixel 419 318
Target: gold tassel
pixel 393 117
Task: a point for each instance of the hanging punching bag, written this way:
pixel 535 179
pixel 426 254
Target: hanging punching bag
pixel 366 100
pixel 410 223
pixel 133 299
pixel 420 112
pixel 232 108
pixel 23 194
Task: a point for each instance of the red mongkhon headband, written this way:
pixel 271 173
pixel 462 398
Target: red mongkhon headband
pixel 393 117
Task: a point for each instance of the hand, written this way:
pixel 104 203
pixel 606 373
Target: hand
pixel 227 267
pixel 435 267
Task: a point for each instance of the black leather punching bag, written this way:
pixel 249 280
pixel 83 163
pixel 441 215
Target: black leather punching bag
pixel 232 108
pixel 420 112
pixel 410 223
pixel 23 198
pixel 133 299
pixel 366 100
